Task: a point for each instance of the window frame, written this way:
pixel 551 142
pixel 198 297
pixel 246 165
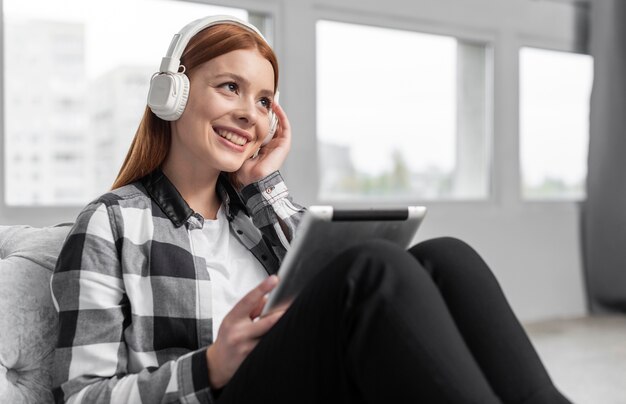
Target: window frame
pixel 485 37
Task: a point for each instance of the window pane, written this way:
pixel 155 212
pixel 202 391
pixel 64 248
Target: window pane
pixel 76 78
pixel 555 89
pixel 400 115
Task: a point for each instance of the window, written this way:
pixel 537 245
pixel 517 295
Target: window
pixel 401 115
pixel 555 89
pixel 76 77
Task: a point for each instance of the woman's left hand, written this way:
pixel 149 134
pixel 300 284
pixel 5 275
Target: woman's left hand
pixel 271 156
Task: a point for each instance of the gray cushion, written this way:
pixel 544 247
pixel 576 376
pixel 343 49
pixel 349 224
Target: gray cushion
pixel 28 319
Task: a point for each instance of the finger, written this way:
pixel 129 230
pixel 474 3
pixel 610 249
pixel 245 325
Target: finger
pixel 252 299
pixel 258 309
pixel 263 324
pixel 279 307
pixel 283 121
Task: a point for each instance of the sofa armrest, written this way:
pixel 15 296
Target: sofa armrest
pixel 28 319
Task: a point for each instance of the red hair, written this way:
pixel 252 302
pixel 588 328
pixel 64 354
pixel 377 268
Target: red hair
pixel 153 137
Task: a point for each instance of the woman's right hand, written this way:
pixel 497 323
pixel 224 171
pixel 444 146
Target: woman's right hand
pixel 241 330
pixel 271 156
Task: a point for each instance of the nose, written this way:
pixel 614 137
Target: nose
pixel 247 113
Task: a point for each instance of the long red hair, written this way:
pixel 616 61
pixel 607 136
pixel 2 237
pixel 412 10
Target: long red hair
pixel 153 137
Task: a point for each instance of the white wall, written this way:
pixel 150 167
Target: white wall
pixel 533 248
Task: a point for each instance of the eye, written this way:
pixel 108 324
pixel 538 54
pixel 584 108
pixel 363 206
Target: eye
pixel 266 103
pixel 230 86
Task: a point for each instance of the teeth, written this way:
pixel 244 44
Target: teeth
pixel 233 137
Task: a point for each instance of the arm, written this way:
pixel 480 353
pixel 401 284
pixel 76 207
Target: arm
pixel 272 209
pixel 92 358
pixel 266 195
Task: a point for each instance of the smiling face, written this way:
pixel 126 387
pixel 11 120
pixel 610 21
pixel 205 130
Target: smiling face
pixel 227 115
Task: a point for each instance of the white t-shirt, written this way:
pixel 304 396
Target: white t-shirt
pixel 233 270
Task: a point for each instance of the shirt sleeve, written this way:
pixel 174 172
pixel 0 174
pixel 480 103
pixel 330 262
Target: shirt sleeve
pixel 272 209
pixel 91 358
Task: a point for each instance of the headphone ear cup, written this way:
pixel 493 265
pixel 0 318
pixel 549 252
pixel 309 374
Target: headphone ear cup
pixel 168 95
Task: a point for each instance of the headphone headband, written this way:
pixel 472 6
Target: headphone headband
pixel 169 87
pixel 171 62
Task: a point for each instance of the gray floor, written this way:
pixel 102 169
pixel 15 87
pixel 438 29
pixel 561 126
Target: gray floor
pixel 586 357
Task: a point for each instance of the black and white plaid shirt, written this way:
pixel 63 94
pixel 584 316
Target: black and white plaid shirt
pixel 134 300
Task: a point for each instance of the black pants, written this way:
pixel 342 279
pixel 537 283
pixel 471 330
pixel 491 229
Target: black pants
pixel 382 325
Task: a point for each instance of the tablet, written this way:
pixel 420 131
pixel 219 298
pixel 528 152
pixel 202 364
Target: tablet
pixel 325 232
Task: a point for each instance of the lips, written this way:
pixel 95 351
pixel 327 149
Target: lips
pixel 232 136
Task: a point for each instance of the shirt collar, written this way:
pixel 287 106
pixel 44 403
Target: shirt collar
pixel 171 202
pixel 230 197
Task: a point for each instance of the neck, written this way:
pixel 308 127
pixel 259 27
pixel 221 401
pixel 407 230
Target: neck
pixel 197 186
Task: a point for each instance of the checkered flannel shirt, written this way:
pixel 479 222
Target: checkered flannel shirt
pixel 134 300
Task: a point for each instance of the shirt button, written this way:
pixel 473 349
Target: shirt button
pixel 239 231
pixel 269 190
pixel 264 257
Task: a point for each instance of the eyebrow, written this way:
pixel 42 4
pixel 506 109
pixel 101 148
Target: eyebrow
pixel 236 77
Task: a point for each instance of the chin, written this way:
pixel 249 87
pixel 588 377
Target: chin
pixel 231 166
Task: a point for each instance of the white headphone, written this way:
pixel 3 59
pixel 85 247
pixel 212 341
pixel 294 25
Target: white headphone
pixel 169 87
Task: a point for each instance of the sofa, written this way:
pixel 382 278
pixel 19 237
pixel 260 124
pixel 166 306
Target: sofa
pixel 28 319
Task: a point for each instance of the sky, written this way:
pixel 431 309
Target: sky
pixel 397 87
pixel 554 117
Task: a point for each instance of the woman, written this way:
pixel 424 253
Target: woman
pixel 161 281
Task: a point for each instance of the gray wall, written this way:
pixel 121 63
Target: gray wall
pixel 533 248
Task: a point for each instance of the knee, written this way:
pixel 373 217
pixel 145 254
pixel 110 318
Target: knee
pixel 449 256
pixel 378 264
pixel 449 244
pixel 378 255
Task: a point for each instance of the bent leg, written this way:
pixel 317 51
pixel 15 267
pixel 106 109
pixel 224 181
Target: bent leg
pixel 487 323
pixel 372 327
